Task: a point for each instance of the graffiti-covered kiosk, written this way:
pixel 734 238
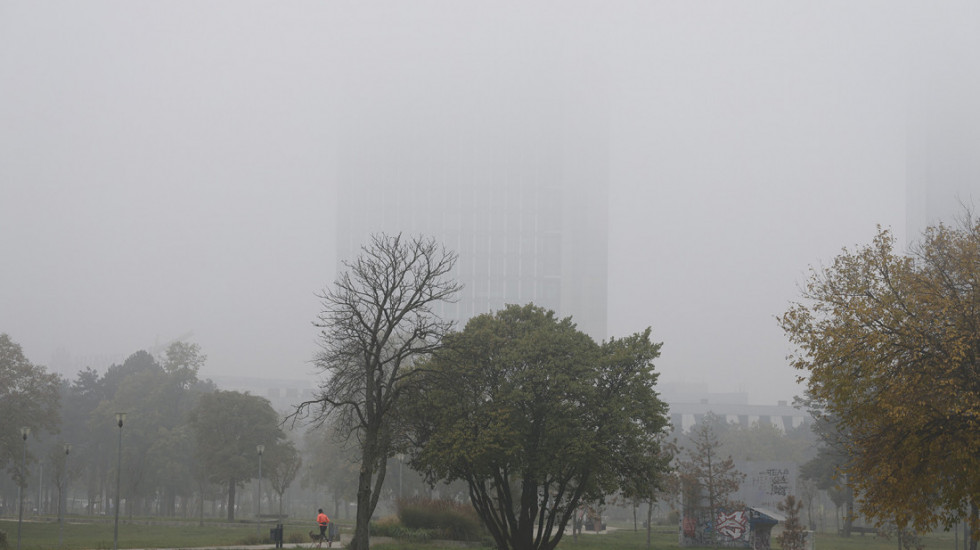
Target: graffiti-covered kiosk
pixel 748 527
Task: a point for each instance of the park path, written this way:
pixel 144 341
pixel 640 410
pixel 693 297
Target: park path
pixel 286 546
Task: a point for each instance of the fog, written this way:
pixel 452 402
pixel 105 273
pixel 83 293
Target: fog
pixel 169 170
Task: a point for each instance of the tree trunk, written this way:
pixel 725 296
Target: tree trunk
pixel 363 513
pixel 170 503
pixel 849 514
pixel 649 523
pixel 231 499
pixel 974 513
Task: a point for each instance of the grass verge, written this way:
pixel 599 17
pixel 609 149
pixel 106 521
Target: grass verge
pixel 98 536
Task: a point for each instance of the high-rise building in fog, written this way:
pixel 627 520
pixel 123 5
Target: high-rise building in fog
pixel 509 172
pixel 943 169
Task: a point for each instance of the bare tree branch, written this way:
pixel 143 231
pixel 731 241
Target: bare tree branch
pixel 377 320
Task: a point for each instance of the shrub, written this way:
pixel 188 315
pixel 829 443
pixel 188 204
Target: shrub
pixel 449 519
pixel 3 540
pixel 391 527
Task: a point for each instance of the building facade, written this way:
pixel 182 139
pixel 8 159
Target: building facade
pixel 512 175
pixel 943 166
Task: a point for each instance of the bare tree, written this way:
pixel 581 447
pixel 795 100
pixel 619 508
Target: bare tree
pixel 376 321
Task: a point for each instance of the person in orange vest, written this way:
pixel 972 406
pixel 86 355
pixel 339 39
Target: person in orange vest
pixel 322 520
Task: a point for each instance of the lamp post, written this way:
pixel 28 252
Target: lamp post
pixel 258 514
pixel 24 432
pixel 62 499
pixel 401 459
pixel 40 485
pixel 120 418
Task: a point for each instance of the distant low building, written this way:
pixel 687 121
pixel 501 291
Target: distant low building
pixel 782 416
pixel 689 403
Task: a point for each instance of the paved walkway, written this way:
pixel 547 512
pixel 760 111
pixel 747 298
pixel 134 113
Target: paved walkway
pixel 286 546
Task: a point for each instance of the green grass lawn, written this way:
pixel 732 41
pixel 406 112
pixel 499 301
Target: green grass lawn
pixel 98 536
pixel 627 539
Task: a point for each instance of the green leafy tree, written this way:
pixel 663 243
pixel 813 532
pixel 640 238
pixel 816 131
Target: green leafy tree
pixel 80 401
pixel 890 343
pixel 538 419
pixel 377 320
pixel 61 473
pixel 29 397
pixel 182 361
pixel 157 445
pixel 826 469
pixel 228 426
pixel 649 489
pixel 825 472
pixel 137 363
pixel 172 449
pixel 138 394
pixel 284 463
pixel 808 491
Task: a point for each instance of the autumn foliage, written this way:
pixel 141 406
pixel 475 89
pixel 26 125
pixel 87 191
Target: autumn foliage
pixel 889 344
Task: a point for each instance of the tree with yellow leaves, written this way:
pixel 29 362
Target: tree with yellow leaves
pixel 889 344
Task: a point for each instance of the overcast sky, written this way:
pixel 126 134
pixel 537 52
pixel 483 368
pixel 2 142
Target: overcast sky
pixel 167 167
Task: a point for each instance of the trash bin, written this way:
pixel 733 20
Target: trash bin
pixel 276 535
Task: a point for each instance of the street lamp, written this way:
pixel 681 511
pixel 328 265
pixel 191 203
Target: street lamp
pixel 258 515
pixel 62 499
pixel 120 418
pixel 24 432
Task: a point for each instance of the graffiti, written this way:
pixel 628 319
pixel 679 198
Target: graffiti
pixel 745 528
pixel 778 481
pixel 767 483
pixel 689 526
pixel 732 525
pixel 728 529
pixel 697 529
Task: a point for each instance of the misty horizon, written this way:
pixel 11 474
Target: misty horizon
pixel 173 170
